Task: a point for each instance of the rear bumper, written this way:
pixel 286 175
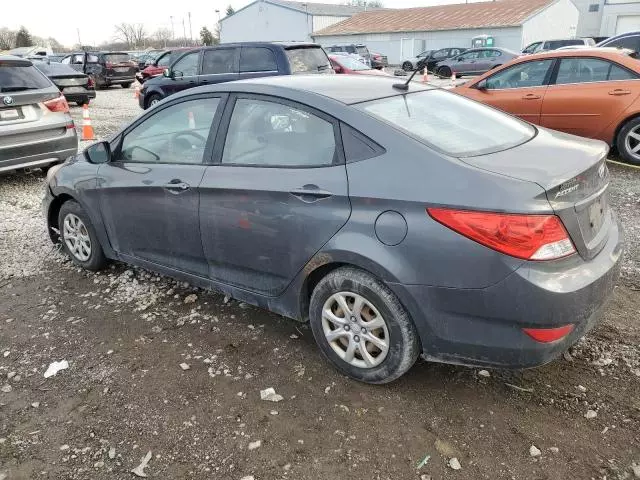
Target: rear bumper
pixel 79 96
pixel 483 327
pixel 119 80
pixel 38 154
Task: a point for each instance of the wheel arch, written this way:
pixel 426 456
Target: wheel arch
pixel 632 116
pixel 52 215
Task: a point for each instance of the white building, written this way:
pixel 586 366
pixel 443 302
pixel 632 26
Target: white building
pixel 280 20
pixel 403 33
pixel 605 18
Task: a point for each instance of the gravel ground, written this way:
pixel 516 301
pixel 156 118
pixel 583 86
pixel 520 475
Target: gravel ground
pixel 157 366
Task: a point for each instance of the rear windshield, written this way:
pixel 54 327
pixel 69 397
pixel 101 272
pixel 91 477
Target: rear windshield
pixel 308 60
pixel 362 51
pixel 15 77
pixel 351 63
pixel 450 123
pixel 555 44
pixel 117 57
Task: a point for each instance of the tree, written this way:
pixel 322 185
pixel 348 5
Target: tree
pixel 7 38
pixel 133 34
pixel 230 10
pixel 162 36
pixel 365 3
pixel 206 37
pixel 23 38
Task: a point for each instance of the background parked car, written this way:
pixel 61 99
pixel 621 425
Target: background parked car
pixel 106 68
pixel 36 129
pixel 161 63
pixel 358 49
pixel 379 60
pixel 430 58
pixel 234 61
pixel 75 86
pixel 475 61
pixel 547 45
pixel 630 40
pixel 56 57
pixel 346 64
pixel 593 93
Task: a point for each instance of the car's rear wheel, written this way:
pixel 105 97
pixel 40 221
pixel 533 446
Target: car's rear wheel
pixel 628 141
pixel 153 99
pixel 407 66
pixel 444 72
pixel 127 85
pixel 83 102
pixel 361 327
pixel 78 237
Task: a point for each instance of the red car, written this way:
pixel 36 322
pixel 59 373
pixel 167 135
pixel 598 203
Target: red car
pixel 347 64
pixel 162 62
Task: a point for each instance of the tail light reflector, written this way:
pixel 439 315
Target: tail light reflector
pixel 58 104
pixel 530 237
pixel 548 335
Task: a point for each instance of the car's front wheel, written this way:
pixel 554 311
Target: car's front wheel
pixel 78 237
pixel 361 327
pixel 444 72
pixel 407 66
pixel 153 99
pixel 127 85
pixel 628 141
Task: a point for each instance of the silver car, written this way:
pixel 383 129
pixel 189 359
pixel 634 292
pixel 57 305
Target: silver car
pixel 36 129
pixel 475 62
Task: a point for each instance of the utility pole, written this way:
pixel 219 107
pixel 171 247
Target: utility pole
pixel 190 31
pixel 79 42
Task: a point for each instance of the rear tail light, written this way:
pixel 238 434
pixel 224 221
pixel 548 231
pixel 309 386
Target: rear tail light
pixel 531 237
pixel 90 82
pixel 58 104
pixel 548 335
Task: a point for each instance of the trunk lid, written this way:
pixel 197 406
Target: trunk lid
pixel 119 65
pixel 573 172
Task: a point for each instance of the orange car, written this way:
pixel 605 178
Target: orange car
pixel 593 93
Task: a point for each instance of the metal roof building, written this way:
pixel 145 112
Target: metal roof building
pixel 403 33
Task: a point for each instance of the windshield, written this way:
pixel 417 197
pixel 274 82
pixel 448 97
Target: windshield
pixel 15 77
pixel 351 63
pixel 450 123
pixel 308 60
pixel 117 57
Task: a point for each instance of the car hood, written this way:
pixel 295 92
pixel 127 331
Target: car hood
pixel 374 72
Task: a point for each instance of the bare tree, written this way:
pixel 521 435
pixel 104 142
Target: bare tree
pixel 139 35
pixel 133 34
pixel 162 36
pixel 7 38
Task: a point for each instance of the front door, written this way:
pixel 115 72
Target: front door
pixel 466 62
pixel 149 195
pixel 184 74
pixel 277 195
pixel 519 90
pixel 588 94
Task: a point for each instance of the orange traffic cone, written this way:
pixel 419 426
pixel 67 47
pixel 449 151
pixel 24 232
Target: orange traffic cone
pixel 425 76
pixel 136 93
pixel 453 78
pixel 192 121
pixel 87 129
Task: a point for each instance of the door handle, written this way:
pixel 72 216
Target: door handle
pixel 310 193
pixel 531 96
pixel 176 186
pixel 619 91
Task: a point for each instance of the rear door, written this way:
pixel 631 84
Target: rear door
pixel 219 65
pixel 149 194
pixel 277 194
pixel 519 89
pixel 258 62
pixel 587 94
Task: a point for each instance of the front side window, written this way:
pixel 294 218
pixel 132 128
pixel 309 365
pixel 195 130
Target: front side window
pixel 587 70
pixel 187 65
pixel 177 134
pixel 455 125
pixel 164 60
pixel 523 75
pixel 257 59
pixel 469 56
pixel 532 48
pixel 441 53
pixel 221 60
pixel 265 133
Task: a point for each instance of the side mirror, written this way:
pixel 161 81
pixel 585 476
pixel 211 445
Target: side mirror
pixel 176 74
pixel 459 59
pixel 98 153
pixel 167 73
pixel 482 86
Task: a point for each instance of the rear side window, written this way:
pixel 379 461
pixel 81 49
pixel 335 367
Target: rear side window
pixel 257 59
pixel 555 44
pixel 15 77
pixel 117 57
pixel 219 61
pixel 586 70
pixel 308 60
pixel 454 125
pixel 441 54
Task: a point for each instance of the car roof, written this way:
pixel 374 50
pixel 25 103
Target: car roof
pixel 615 54
pixel 347 89
pixel 14 59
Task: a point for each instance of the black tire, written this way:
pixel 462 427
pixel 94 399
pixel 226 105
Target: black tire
pixel 96 260
pixel 127 85
pixel 403 344
pixel 445 72
pixel 624 142
pixel 151 98
pixel 407 67
pixel 83 102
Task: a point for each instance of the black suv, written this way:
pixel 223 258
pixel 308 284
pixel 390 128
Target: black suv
pixel 105 68
pixel 234 61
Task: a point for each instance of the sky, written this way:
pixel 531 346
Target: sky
pixel 96 21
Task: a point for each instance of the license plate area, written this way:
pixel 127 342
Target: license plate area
pixel 121 69
pixel 74 90
pixel 9 114
pixel 592 218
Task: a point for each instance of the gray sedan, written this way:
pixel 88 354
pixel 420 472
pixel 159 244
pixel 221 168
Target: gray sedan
pixel 36 129
pixel 397 219
pixel 475 62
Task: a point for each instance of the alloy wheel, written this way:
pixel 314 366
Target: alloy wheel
pixel 632 142
pixel 76 237
pixel 355 330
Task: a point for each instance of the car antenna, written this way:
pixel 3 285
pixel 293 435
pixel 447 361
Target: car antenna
pixel 405 86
